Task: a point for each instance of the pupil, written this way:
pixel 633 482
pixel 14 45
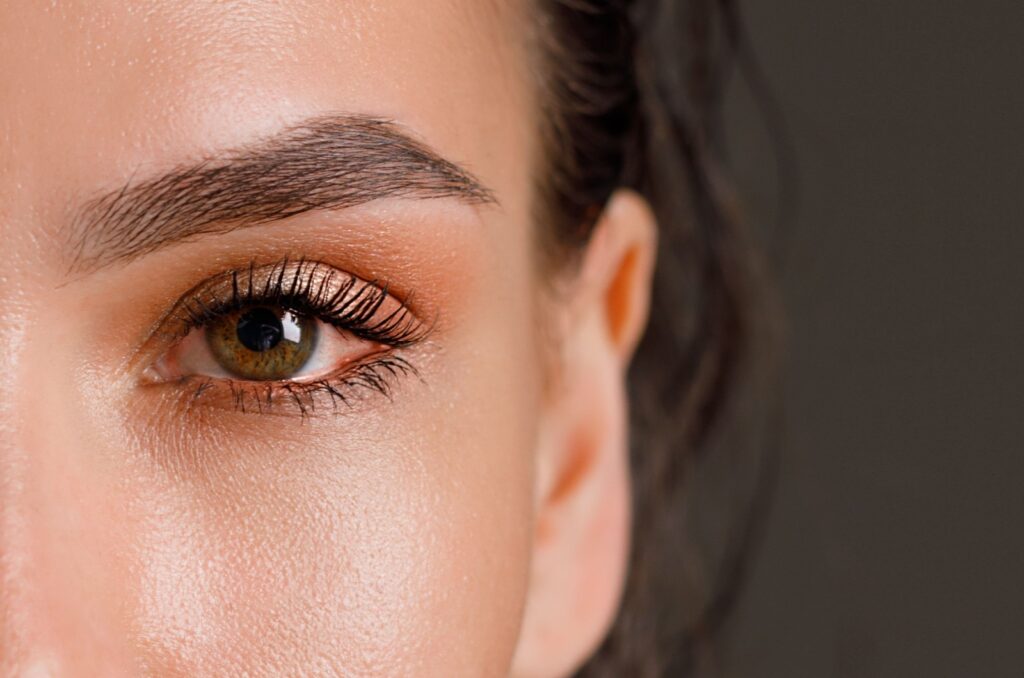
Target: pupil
pixel 259 329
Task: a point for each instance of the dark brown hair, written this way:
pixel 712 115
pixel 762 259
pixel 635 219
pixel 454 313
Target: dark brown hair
pixel 631 92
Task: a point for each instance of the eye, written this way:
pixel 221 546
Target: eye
pixel 298 326
pixel 264 343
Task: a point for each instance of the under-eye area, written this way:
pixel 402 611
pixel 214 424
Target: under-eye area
pixel 296 335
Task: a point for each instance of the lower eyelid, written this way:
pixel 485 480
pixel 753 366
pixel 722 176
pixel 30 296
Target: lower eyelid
pixel 376 375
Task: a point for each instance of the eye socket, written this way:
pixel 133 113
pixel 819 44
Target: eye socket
pixel 300 327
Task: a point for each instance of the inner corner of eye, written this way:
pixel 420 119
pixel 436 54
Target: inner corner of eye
pixel 168 366
pixel 159 372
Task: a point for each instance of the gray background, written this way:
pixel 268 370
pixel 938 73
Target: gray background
pixel 895 547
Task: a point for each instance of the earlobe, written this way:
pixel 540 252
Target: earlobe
pixel 581 541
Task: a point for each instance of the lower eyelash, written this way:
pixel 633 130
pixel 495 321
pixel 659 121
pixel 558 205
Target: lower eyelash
pixel 375 375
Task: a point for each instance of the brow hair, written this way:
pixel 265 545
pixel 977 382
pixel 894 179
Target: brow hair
pixel 325 163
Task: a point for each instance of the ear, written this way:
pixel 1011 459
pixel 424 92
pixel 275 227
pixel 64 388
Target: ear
pixel 581 541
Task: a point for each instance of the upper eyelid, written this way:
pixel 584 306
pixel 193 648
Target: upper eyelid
pixel 312 281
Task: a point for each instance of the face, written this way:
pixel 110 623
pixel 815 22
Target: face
pixel 274 347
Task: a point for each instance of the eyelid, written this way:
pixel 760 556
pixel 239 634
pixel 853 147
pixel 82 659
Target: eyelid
pixel 367 309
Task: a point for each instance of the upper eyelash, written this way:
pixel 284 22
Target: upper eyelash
pixel 353 306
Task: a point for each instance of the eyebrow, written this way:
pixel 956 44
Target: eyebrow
pixel 325 163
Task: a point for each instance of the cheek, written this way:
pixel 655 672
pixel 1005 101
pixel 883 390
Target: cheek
pixel 361 544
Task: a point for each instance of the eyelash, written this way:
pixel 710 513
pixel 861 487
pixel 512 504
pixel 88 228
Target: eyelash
pixel 375 374
pixel 350 305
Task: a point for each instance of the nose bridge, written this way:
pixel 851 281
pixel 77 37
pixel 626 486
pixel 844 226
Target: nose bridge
pixel 58 604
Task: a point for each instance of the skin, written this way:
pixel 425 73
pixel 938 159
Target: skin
pixel 473 524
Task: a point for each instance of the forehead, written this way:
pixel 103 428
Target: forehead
pixel 94 92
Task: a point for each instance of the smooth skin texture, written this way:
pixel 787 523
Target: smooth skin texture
pixel 475 523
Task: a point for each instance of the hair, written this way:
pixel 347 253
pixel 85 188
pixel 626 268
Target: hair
pixel 631 92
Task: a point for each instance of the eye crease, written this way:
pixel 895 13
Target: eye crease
pixel 300 329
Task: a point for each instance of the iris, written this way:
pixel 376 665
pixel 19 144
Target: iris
pixel 262 343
